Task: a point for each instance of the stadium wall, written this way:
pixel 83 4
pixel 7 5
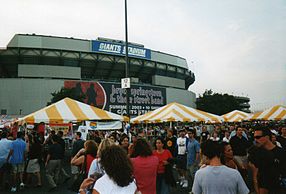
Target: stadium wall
pixel 26 95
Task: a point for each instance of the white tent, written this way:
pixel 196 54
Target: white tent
pixel 177 112
pixel 277 112
pixel 67 110
pixel 235 116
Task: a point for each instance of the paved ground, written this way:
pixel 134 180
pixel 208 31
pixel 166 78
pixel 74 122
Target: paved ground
pixel 63 187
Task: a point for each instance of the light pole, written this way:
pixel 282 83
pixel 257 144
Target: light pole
pixel 126 61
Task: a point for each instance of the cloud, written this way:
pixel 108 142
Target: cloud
pixel 234 26
pixel 232 46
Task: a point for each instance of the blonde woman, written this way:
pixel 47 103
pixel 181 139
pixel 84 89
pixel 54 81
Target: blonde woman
pixel 95 165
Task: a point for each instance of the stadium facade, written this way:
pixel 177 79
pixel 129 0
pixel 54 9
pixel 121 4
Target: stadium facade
pixel 243 102
pixel 34 66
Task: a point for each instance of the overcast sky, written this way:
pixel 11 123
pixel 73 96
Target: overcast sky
pixel 232 46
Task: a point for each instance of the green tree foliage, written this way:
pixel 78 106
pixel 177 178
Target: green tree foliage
pixel 66 92
pixel 217 103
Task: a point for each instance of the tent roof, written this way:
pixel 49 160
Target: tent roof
pixel 235 116
pixel 277 112
pixel 177 112
pixel 67 110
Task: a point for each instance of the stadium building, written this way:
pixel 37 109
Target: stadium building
pixel 243 102
pixel 34 66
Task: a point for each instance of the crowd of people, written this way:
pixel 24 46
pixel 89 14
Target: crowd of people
pixel 227 159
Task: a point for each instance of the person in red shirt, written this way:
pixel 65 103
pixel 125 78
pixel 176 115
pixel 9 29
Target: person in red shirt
pixel 88 153
pixel 163 155
pixel 41 129
pixel 145 167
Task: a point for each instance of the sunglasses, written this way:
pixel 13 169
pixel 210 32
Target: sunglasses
pixel 258 136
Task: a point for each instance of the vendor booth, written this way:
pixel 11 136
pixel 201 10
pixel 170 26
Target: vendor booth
pixel 177 112
pixel 69 110
pixel 62 114
pixel 235 116
pixel 277 113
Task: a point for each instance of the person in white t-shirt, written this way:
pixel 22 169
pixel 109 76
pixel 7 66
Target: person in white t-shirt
pixel 226 137
pixel 274 140
pixel 182 141
pixel 118 177
pixel 215 136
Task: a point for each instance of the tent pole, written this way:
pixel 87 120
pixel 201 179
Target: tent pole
pixel 146 131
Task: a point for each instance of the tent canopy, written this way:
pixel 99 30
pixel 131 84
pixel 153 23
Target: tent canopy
pixel 277 112
pixel 68 110
pixel 235 116
pixel 177 112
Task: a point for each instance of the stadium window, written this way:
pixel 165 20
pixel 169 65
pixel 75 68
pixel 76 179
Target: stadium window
pixel 3 111
pixel 72 63
pixel 161 66
pixel 171 68
pixel 149 64
pixel 180 70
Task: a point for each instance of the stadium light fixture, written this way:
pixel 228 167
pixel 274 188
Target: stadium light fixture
pixel 126 61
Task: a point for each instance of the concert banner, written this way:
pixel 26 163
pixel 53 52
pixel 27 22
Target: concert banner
pixel 111 97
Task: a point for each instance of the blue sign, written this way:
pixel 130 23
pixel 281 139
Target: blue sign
pixel 119 49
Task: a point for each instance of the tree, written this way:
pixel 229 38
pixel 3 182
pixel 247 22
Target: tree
pixel 66 92
pixel 217 103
